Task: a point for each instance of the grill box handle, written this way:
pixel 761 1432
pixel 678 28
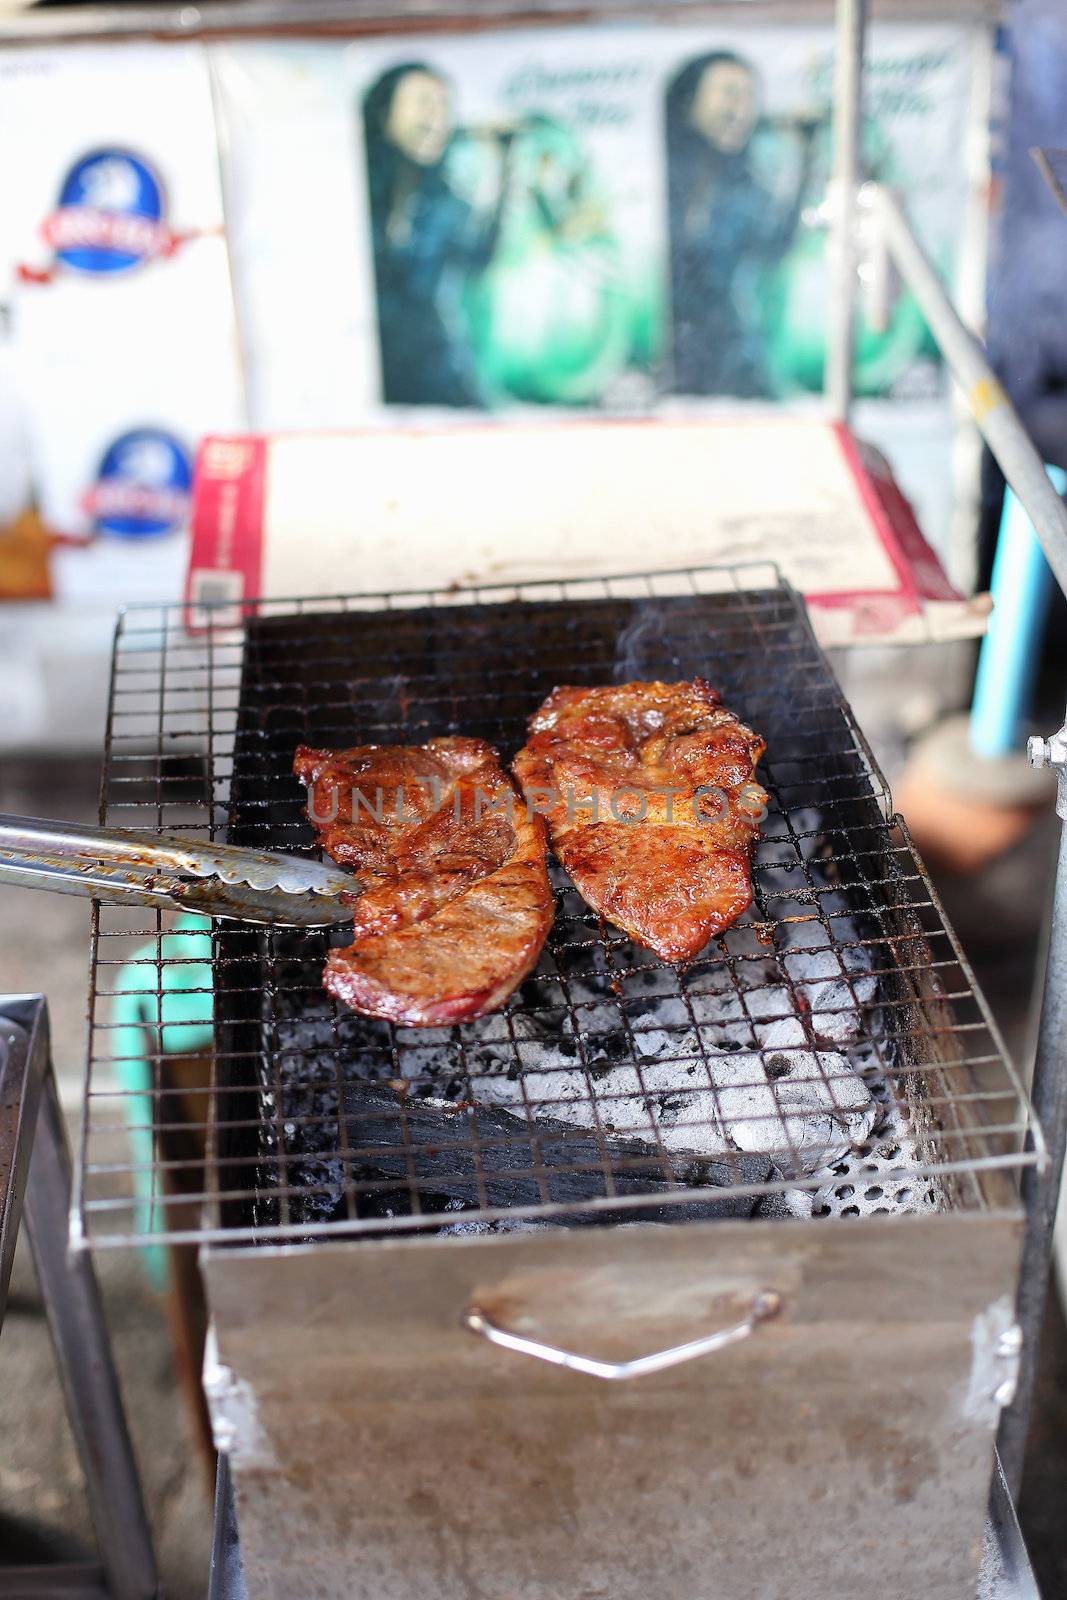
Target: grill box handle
pixel 765 1304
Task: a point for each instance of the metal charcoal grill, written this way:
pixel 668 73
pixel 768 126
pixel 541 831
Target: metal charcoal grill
pixel 829 1055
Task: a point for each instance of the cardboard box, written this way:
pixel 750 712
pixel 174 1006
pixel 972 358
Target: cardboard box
pixel 500 505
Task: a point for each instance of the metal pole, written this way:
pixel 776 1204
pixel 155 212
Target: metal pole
pixel 227 1579
pixel 1017 1581
pixel 90 1384
pixel 986 400
pixel 1026 476
pixel 849 45
pixel 1048 1094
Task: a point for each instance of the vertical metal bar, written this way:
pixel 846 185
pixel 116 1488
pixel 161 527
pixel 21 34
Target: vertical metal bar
pixel 1027 477
pixel 23 1055
pixel 83 1356
pixel 227 1580
pixel 849 47
pixel 1017 1579
pixel 1041 1186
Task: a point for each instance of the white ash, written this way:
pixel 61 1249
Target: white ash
pixel 658 1101
pixel 474 1227
pixel 880 1181
pixel 803 1108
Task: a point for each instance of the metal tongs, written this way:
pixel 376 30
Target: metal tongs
pixel 128 867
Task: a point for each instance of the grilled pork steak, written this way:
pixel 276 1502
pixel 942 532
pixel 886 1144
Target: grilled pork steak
pixel 651 804
pixel 456 902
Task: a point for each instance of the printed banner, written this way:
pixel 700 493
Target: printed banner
pixel 123 331
pixel 607 217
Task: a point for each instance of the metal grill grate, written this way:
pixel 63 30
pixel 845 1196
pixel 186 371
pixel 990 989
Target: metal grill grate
pixel 828 1055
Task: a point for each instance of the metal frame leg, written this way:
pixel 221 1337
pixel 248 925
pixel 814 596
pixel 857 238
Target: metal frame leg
pixel 227 1581
pixel 1048 1094
pixel 83 1356
pixel 1028 478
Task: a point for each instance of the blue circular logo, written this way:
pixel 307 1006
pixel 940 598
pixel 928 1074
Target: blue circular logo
pixel 109 215
pixel 142 487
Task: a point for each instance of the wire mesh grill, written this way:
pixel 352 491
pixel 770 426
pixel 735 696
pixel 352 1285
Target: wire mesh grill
pixel 828 1055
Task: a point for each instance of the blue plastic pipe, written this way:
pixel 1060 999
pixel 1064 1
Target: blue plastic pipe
pixel 1021 587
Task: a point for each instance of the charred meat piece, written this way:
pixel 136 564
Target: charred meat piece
pixel 651 804
pixel 455 903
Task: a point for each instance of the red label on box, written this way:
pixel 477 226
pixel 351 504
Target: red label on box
pixel 225 561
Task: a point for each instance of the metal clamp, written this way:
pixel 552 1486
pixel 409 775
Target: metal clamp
pixel 766 1304
pixel 1052 752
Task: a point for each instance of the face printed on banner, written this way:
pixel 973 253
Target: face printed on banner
pixel 725 106
pixel 419 122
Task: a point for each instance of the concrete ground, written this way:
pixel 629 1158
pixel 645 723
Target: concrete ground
pixel 43 1515
pixel 43 945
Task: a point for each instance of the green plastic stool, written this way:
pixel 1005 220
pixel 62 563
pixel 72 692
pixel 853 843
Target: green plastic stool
pixel 182 1021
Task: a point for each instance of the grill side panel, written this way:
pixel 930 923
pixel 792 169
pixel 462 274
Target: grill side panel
pixel 382 1452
